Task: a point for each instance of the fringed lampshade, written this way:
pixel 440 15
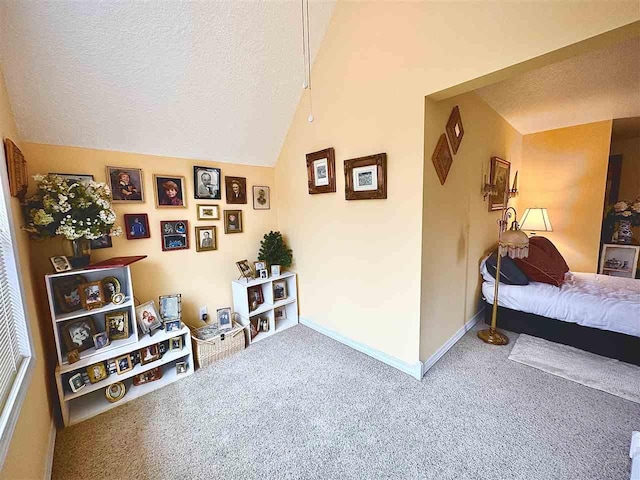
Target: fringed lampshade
pixel 514 242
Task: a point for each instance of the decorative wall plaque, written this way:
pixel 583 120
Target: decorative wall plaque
pixel 442 159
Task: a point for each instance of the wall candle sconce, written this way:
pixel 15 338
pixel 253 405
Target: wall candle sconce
pixel 513 191
pixel 490 189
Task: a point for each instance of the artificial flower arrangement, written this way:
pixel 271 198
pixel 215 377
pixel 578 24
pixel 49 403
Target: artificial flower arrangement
pixel 69 208
pixel 625 210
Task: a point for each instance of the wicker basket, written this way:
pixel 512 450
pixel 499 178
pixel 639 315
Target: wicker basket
pixel 210 351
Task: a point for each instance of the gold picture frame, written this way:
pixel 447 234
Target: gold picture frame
pixel 232 221
pixel 166 183
pixel 202 211
pixel 97 372
pixel 206 244
pixel 124 364
pixel 117 324
pixel 92 295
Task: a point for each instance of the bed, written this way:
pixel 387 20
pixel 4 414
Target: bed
pixel 596 313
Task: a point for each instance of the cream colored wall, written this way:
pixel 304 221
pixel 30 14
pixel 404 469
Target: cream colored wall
pixel 630 176
pixel 203 278
pixel 565 171
pixel 458 229
pixel 27 457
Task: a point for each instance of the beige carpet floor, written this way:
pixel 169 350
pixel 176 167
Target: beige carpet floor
pixel 301 406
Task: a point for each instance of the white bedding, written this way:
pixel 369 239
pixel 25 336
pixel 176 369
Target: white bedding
pixel 599 301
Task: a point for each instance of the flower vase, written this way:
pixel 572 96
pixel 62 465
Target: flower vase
pixel 78 251
pixel 624 233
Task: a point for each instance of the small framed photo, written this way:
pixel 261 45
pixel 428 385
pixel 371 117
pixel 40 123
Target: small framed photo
pixel 181 367
pixel 111 286
pixel 97 372
pixel 175 235
pixel 170 307
pixel 117 324
pixel 255 295
pixel 136 226
pixel 321 171
pixel 73 356
pixel 67 291
pixel 101 340
pixel 124 364
pixel 78 334
pixel 172 325
pixel 149 354
pixel 118 298
pixel 60 263
pixel 206 183
pixel 71 178
pixel 245 269
pixel 264 273
pixel 147 316
pixel 126 184
pixel 233 221
pixel 92 295
pixel 148 376
pixel 279 290
pixel 259 265
pixel 208 212
pixel 224 318
pixel 280 313
pixel 175 343
pixel 115 391
pixel 261 197
pixel 275 270
pixel 170 192
pixel 366 177
pixel 76 382
pixel 101 242
pixel 206 239
pixel 236 189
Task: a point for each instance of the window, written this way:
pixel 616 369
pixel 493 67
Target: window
pixel 16 352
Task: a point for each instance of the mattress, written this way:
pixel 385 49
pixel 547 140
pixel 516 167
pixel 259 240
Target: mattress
pixel 588 299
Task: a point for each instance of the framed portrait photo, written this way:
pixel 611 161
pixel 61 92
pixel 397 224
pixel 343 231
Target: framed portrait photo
pixel 97 372
pixel 60 263
pixel 124 364
pixel 245 269
pixel 261 197
pixel 170 307
pixel 115 391
pixel 499 176
pixel 280 313
pixel 236 189
pixel 67 292
pixel 206 239
pixel 366 177
pixel 126 184
pixel 232 221
pixel 206 183
pixel 136 225
pixel 208 212
pixel 225 322
pixel 279 290
pixel 117 324
pixel 101 340
pixel 76 382
pixel 92 295
pixel 78 334
pixel 149 354
pixel 148 376
pixel 181 367
pixel 174 235
pixel 172 325
pixel 175 343
pixel 147 316
pixel 169 191
pixel 321 171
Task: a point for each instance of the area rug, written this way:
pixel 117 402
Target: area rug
pixel 602 373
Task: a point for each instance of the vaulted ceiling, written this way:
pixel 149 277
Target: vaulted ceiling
pixel 600 85
pixel 203 80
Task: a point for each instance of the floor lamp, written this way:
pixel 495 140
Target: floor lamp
pixel 515 243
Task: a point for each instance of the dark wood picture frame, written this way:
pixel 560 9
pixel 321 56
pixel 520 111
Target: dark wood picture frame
pixel 330 187
pixel 66 286
pixel 84 300
pixel 17 169
pixel 165 233
pixel 205 193
pixel 455 134
pixel 378 160
pixel 228 186
pixel 87 343
pixel 129 220
pixel 498 201
pixel 442 159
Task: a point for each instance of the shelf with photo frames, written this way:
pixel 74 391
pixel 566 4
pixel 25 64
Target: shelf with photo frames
pixel 267 309
pixel 90 400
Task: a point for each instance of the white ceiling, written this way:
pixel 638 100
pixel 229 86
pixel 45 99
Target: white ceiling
pixel 203 80
pixel 600 85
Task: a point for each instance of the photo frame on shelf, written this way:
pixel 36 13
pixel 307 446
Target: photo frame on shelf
pixel 92 295
pixel 67 293
pixel 147 317
pixel 111 286
pixel 224 317
pixel 170 307
pixel 175 235
pixel 454 129
pixel 175 343
pixel 280 313
pixel 78 334
pixel 76 382
pixel 117 324
pixel 279 290
pixel 126 184
pixel 208 212
pixel 499 176
pixel 104 241
pixel 124 364
pixel 442 159
pixel 149 354
pixel 101 340
pixel 148 376
pixel 60 263
pixel 275 270
pixel 207 183
pixel 366 177
pixel 170 191
pixel 245 270
pixel 255 297
pixel 321 171
pixel 172 325
pixel 261 197
pixel 136 226
pixel 97 372
pixel 116 391
pixel 73 356
pixel 181 367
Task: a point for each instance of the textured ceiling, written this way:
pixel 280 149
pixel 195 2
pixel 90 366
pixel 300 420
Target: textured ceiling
pixel 207 80
pixel 600 85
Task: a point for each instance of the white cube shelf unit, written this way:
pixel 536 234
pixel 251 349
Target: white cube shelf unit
pixel 90 400
pixel 290 303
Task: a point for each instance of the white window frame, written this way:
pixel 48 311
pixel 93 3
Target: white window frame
pixel 10 411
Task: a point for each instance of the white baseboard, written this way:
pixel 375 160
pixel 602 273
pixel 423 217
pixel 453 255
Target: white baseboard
pixel 415 370
pixel 52 445
pixel 430 362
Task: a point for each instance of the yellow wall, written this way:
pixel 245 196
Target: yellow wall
pixel 203 278
pixel 360 262
pixel 458 229
pixel 28 453
pixel 565 171
pixel 630 176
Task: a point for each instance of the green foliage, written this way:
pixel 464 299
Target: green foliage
pixel 274 251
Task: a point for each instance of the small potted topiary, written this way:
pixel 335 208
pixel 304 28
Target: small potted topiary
pixel 274 251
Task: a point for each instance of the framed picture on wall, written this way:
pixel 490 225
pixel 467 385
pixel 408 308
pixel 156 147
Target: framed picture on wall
pixel 366 177
pixel 175 235
pixel 236 189
pixel 126 184
pixel 206 239
pixel 208 212
pixel 499 176
pixel 170 191
pixel 206 183
pixel 321 171
pixel 136 226
pixel 232 221
pixel 261 198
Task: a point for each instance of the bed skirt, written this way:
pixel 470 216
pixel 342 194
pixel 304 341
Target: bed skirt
pixel 622 347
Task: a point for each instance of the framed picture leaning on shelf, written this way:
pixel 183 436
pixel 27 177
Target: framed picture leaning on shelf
pixel 279 290
pixel 117 324
pixel 78 334
pixel 67 293
pixel 147 316
pixel 92 295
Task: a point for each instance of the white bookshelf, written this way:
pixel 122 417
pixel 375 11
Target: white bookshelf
pixel 241 304
pixel 90 400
